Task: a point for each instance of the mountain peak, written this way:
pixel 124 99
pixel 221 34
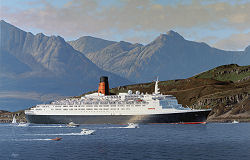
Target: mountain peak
pixel 86 38
pixel 124 42
pixel 247 49
pixel 5 25
pixel 2 22
pixel 88 44
pixel 174 34
pixel 169 36
pixel 40 35
pixel 91 39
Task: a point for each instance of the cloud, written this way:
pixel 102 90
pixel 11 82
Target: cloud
pixel 234 42
pixel 92 17
pixel 20 95
pixel 30 95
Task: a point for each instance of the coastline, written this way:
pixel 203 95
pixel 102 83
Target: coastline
pixel 228 120
pixel 6 116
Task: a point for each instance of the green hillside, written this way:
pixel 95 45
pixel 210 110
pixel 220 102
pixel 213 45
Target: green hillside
pixel 231 72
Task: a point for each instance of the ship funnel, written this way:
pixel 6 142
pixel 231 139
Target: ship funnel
pixel 104 86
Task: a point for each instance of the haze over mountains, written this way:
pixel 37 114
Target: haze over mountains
pixel 38 68
pixel 169 56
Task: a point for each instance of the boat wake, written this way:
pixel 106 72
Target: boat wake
pixel 46 139
pixel 57 134
pixel 114 127
pixel 49 126
pixel 32 125
pixel 16 125
pixel 83 132
pixel 7 125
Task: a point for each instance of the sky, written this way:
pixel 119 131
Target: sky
pixel 224 24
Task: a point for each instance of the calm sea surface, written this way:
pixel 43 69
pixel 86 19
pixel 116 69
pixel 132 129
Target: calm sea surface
pixel 167 141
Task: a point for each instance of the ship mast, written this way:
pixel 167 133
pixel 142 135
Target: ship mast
pixel 157 90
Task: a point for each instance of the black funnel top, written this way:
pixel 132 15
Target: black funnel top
pixel 104 79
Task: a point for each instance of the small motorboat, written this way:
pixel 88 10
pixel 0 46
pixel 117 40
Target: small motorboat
pixel 132 125
pixel 72 124
pixel 235 121
pixel 87 131
pixel 56 139
pixel 23 124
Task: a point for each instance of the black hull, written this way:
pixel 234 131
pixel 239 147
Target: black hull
pixel 187 117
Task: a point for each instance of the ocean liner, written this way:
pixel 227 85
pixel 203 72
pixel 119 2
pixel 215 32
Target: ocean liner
pixel 124 108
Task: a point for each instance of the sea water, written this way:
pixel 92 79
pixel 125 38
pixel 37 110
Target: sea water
pixel 155 141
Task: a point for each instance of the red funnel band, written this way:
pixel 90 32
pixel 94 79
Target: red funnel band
pixel 103 88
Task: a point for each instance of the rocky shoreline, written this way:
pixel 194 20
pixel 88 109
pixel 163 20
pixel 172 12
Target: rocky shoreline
pixel 7 117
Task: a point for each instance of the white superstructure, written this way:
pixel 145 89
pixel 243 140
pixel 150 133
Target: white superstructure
pixel 121 104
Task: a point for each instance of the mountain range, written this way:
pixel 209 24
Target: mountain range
pixel 169 56
pixel 39 68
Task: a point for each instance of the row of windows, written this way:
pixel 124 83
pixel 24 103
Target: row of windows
pixel 103 103
pixel 91 109
pixel 95 106
pixel 71 103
